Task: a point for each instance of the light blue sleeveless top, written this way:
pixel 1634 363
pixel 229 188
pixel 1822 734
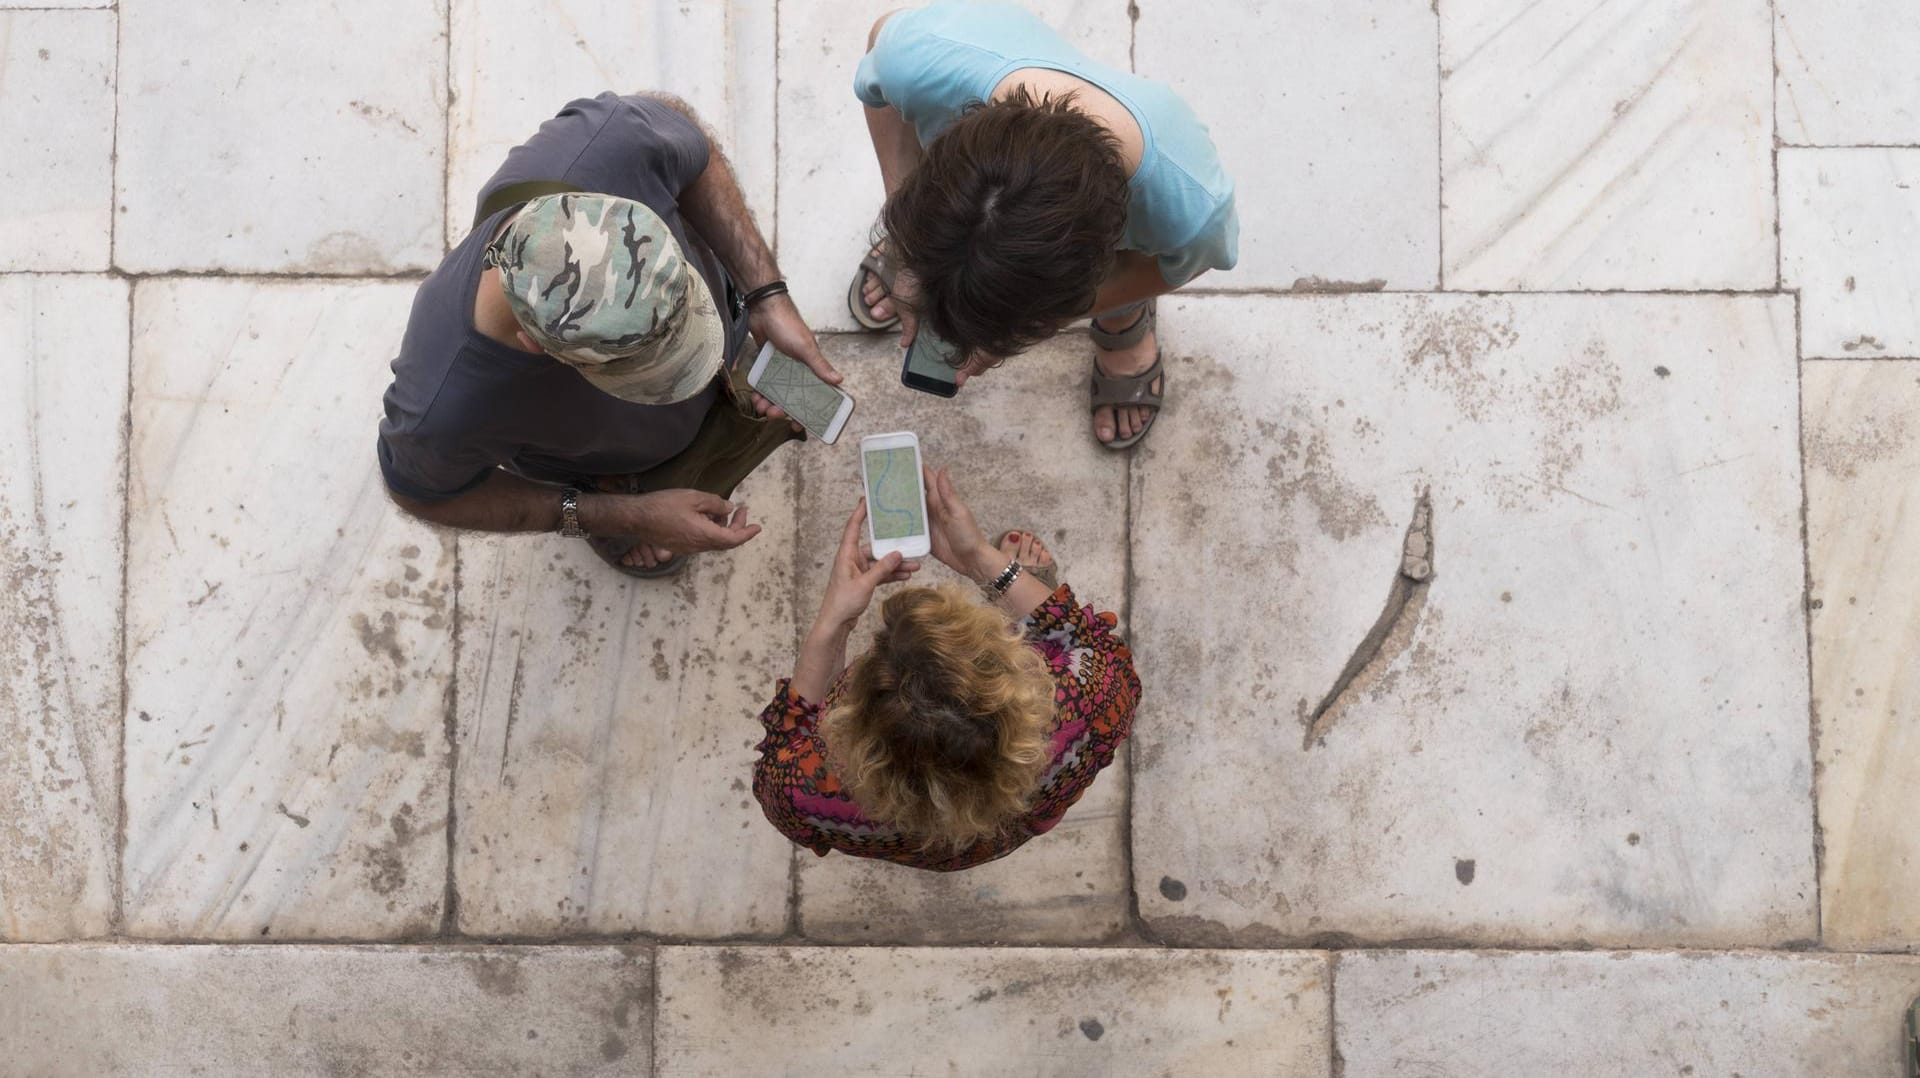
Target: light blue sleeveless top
pixel 931 62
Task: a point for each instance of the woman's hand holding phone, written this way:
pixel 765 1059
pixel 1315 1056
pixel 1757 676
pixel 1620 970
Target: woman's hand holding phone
pixel 958 543
pixel 850 587
pixel 854 576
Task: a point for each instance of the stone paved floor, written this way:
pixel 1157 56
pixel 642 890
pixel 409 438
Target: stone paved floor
pixel 290 784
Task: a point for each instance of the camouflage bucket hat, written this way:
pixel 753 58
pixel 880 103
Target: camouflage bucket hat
pixel 600 283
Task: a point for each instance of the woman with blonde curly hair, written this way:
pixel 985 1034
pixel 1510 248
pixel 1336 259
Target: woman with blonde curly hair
pixel 968 727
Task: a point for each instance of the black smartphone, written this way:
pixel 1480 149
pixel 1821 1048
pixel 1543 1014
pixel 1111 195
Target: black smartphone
pixel 927 367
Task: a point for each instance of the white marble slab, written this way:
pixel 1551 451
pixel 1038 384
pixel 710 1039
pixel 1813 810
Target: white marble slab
pixel 289 651
pixel 1024 456
pixel 515 65
pixel 1862 433
pixel 1588 145
pixel 1453 1014
pixel 876 1011
pixel 1333 158
pixel 63 401
pixel 830 190
pixel 1846 72
pixel 1850 242
pixel 281 138
pixel 37 4
pixel 56 121
pixel 606 731
pixel 299 1010
pixel 1591 727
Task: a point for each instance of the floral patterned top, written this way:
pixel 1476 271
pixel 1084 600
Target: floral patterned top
pixel 1095 693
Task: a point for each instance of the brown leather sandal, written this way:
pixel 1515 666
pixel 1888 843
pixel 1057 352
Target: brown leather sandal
pixel 883 270
pixel 611 549
pixel 1128 389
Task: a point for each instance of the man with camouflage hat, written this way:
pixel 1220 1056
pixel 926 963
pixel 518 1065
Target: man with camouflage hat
pixel 577 339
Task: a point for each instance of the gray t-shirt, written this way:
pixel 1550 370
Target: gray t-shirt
pixel 462 404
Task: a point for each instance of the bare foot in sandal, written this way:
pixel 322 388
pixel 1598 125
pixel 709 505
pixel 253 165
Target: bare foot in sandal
pixel 880 298
pixel 874 294
pixel 1032 554
pixel 644 556
pixel 1112 424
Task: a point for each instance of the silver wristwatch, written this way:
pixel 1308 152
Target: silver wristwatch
pixel 570 514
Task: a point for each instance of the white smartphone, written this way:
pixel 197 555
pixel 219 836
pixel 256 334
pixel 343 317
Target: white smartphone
pixel 896 495
pixel 821 408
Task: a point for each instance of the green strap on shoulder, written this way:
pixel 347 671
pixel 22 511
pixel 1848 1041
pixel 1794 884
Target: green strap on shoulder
pixel 515 193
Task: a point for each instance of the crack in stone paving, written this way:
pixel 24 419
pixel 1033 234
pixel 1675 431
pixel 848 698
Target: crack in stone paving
pixel 1393 629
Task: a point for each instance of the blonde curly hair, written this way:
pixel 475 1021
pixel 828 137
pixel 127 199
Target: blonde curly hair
pixel 942 727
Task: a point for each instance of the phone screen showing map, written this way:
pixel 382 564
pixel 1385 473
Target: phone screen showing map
pixel 788 383
pixel 893 493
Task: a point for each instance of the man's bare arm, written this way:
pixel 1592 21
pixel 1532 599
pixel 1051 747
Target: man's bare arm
pixel 502 503
pixel 713 205
pixel 681 521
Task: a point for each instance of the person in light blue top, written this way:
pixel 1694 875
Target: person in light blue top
pixel 1029 186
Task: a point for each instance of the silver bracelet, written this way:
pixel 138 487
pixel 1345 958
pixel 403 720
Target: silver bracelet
pixel 570 514
pixel 999 585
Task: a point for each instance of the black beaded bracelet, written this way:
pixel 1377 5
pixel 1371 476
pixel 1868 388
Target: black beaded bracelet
pixel 771 288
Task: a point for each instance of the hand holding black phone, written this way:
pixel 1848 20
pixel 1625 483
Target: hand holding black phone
pixel 928 367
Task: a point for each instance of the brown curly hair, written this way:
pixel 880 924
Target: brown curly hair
pixel 1010 222
pixel 942 727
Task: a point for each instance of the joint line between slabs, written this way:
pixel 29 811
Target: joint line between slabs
pixel 446 130
pixel 1773 68
pixel 1439 150
pixel 119 914
pixel 1806 621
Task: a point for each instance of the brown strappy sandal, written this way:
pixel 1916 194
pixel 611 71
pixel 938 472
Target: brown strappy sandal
pixel 1128 389
pixel 612 548
pixel 883 270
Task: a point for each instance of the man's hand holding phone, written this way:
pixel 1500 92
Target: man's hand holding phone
pixel 777 320
pixel 676 521
pixel 819 408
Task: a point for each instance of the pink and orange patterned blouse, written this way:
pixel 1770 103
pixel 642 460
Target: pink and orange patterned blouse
pixel 1095 693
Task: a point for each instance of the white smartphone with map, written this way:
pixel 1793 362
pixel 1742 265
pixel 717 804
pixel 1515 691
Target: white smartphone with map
pixel 896 495
pixel 821 408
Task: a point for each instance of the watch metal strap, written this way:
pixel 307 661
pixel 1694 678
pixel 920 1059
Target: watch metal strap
pixel 1005 580
pixel 570 514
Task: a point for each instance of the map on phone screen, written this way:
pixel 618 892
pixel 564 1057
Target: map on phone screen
pixel 893 493
pixel 789 383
